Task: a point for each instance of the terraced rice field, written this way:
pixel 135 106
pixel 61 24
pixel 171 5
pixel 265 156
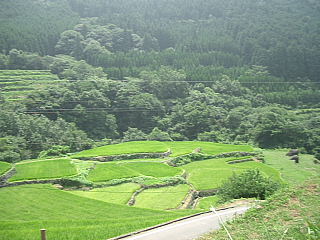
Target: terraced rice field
pixel 177 148
pixel 26 209
pixel 115 170
pixel 17 84
pixel 4 167
pixel 119 194
pixel 210 174
pixel 49 169
pixel 162 198
pixel 124 148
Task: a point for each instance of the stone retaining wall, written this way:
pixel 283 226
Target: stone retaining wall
pixel 126 157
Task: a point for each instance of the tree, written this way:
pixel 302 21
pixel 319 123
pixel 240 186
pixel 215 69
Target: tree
pixel 158 135
pixel 134 134
pixel 249 184
pixel 70 43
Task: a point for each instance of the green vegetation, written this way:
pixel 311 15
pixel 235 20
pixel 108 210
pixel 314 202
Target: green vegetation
pixel 210 174
pixel 177 148
pixel 49 169
pixel 26 209
pixel 4 167
pixel 291 172
pixel 109 171
pixel 16 84
pixel 182 148
pixel 249 184
pixel 162 198
pixel 286 215
pixel 124 148
pixel 119 194
pixel 207 202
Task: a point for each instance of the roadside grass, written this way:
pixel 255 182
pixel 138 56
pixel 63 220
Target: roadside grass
pixel 124 148
pixel 4 167
pixel 291 172
pixel 177 148
pixel 26 209
pixel 44 170
pixel 119 170
pixel 119 194
pixel 283 216
pixel 162 198
pixel 207 202
pixel 210 174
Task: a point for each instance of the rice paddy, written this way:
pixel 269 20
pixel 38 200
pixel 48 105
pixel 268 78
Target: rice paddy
pixel 49 169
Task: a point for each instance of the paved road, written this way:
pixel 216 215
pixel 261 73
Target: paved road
pixel 190 228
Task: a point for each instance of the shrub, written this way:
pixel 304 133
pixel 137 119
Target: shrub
pixel 158 135
pixel 249 184
pixel 134 134
pixel 55 150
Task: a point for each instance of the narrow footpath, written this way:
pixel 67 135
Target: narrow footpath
pixel 191 228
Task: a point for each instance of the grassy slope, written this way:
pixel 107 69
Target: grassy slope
pixel 119 194
pixel 44 170
pixel 26 209
pixel 208 202
pixel 109 171
pixel 291 208
pixel 177 148
pixel 291 172
pixel 209 174
pixel 4 166
pixel 281 217
pixel 162 198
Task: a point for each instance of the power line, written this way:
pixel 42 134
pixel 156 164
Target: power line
pixel 142 80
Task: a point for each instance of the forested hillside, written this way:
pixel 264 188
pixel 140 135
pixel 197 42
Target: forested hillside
pixel 233 71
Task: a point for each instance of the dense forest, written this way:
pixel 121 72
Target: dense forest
pixel 233 71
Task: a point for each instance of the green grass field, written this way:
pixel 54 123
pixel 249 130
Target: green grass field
pixel 118 170
pixel 17 84
pixel 177 148
pixel 44 170
pixel 182 148
pixel 124 148
pixel 26 209
pixel 119 194
pixel 4 167
pixel 207 202
pixel 162 198
pixel 210 174
pixel 291 172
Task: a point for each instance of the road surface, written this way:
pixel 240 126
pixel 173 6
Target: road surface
pixel 191 228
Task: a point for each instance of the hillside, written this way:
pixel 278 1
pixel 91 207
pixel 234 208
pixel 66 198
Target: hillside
pixel 117 115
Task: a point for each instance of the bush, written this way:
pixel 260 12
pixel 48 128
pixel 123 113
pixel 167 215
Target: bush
pixel 158 135
pixel 134 134
pixel 56 150
pixel 249 184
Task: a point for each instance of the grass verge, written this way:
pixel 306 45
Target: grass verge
pixel 283 216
